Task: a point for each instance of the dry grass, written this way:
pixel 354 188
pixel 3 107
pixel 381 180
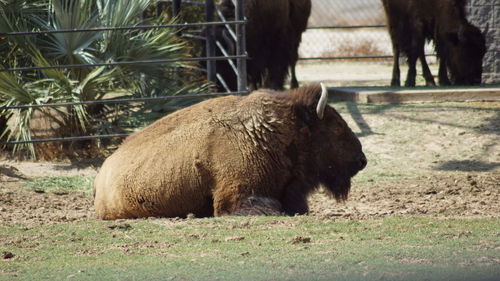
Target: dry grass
pixel 349 48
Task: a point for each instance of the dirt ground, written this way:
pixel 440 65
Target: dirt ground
pixel 427 159
pixel 465 195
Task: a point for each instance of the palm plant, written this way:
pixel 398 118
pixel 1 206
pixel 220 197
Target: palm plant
pixel 82 83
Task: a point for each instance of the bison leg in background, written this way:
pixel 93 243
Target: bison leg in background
pixel 276 77
pixel 396 74
pixel 443 72
pixel 416 51
pixel 412 70
pixel 259 206
pixel 429 79
pixel 277 71
pixel 293 76
pixel 293 79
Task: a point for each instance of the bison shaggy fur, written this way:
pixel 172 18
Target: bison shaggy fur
pixel 460 46
pixel 224 155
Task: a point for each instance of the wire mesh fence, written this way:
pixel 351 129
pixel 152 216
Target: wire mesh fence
pixel 347 29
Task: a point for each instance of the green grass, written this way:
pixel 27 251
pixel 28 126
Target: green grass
pixel 69 184
pixel 256 248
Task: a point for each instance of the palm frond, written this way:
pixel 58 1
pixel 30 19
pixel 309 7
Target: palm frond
pixel 72 47
pixel 12 92
pixel 92 83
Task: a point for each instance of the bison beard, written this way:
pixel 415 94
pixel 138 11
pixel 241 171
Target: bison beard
pixel 260 154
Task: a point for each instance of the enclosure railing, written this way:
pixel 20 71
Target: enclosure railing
pixel 211 71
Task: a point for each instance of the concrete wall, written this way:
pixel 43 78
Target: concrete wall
pixel 485 14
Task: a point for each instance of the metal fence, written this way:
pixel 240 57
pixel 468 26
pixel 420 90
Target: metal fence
pixel 213 18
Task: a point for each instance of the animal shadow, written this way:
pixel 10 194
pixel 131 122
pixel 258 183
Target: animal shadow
pixel 468 166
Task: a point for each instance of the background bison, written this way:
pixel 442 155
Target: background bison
pixel 229 153
pixel 273 34
pixel 460 46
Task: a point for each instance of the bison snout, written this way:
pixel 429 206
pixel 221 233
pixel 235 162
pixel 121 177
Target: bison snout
pixel 357 164
pixel 361 162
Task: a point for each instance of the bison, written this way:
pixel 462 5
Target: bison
pixel 256 154
pixel 273 34
pixel 460 46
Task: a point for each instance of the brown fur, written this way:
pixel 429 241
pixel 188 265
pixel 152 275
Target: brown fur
pixel 460 46
pixel 208 158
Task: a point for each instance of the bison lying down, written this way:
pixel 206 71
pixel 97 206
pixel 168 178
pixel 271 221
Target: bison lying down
pixel 242 155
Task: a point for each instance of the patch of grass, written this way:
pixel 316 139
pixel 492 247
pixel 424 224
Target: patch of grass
pixel 255 248
pixel 70 184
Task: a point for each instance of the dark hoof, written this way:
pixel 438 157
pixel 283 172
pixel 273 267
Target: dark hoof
pixel 410 84
pixel 395 84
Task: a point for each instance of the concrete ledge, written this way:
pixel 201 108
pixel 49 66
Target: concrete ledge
pixel 396 96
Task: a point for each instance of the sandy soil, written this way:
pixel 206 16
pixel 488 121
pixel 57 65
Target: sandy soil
pixel 423 160
pixel 455 196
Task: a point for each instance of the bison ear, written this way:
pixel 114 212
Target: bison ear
pixel 312 108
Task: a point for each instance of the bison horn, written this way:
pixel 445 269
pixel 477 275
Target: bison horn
pixel 320 109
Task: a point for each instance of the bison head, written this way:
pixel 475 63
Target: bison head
pixel 466 54
pixel 334 152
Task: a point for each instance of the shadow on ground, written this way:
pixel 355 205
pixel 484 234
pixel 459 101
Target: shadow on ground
pixel 468 166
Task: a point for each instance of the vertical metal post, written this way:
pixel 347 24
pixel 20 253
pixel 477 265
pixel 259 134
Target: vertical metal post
pixel 176 7
pixel 241 46
pixel 159 8
pixel 210 41
pixel 176 10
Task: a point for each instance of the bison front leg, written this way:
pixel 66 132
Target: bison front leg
pixel 294 200
pixel 227 198
pixel 238 200
pixel 259 206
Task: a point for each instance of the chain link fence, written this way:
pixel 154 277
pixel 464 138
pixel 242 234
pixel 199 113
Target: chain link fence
pixel 347 29
pixel 355 29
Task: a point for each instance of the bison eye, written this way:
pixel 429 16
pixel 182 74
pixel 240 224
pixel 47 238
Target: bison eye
pixel 337 131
